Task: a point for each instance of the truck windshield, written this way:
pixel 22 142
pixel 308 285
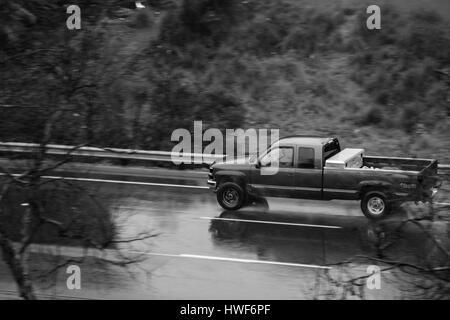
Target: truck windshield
pixel 330 149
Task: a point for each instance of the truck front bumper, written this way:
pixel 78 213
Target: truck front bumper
pixel 211 184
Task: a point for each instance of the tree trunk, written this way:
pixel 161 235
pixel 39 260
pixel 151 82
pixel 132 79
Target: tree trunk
pixel 17 269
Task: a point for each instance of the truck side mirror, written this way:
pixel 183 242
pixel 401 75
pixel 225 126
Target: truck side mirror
pixel 258 164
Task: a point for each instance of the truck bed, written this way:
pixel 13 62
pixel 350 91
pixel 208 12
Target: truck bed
pixel 343 183
pixel 404 164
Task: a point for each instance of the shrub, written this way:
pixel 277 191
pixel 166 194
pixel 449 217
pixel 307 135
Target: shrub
pixel 85 220
pixel 373 116
pixel 199 20
pixel 409 117
pixel 141 19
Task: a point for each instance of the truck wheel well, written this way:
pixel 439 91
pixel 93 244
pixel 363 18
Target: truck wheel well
pixel 367 189
pixel 238 180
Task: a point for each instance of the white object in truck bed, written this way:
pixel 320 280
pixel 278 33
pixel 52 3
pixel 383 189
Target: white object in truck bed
pixel 347 158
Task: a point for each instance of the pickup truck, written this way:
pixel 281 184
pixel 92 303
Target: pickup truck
pixel 317 168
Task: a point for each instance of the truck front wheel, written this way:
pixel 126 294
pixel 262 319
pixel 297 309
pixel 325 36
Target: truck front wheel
pixel 375 205
pixel 230 196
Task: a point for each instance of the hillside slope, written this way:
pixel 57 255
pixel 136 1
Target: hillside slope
pixel 304 67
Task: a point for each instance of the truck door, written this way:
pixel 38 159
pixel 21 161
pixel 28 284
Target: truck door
pixel 279 180
pixel 308 176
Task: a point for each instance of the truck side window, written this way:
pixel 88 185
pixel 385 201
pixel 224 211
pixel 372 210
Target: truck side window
pixel 306 158
pixel 284 156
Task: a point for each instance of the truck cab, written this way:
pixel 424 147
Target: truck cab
pixel 299 162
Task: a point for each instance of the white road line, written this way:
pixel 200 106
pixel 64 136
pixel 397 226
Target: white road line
pixel 77 252
pixel 195 256
pixel 121 182
pixel 129 182
pixel 442 203
pixel 274 222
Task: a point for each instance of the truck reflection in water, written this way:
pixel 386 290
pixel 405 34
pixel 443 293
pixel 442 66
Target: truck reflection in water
pixel 318 239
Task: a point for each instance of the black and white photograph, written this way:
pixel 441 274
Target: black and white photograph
pixel 224 154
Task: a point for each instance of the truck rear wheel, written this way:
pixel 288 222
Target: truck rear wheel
pixel 230 196
pixel 375 205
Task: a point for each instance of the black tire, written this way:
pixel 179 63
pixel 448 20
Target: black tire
pixel 231 196
pixel 375 205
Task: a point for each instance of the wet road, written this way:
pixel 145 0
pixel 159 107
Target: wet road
pixel 203 252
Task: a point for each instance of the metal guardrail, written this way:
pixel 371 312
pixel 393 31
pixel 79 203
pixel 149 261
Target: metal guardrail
pixel 110 153
pixel 115 153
